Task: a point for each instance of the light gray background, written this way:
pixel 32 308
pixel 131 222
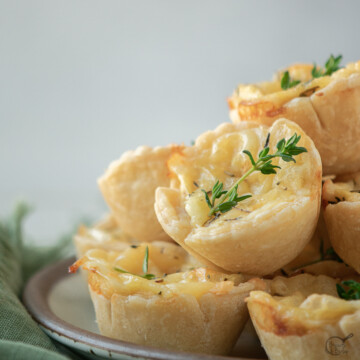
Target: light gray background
pixel 83 81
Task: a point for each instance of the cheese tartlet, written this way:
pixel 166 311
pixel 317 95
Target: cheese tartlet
pixel 327 108
pixel 306 320
pixel 128 187
pixel 342 216
pixel 182 308
pixel 279 218
pixel 105 234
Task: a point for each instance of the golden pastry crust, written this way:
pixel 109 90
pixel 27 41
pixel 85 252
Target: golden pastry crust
pixel 314 250
pixel 302 286
pixel 342 216
pixel 128 187
pixel 319 258
pixel 327 108
pixel 279 218
pixel 106 235
pixel 210 325
pixel 331 268
pixel 199 310
pixel 312 328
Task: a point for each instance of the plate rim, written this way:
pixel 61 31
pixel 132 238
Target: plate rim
pixel 35 299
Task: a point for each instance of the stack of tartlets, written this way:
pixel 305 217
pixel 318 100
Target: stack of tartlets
pixel 259 216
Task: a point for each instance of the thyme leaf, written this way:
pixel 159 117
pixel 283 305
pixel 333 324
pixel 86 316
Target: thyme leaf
pixel 330 254
pixel 146 261
pixel 287 82
pixel 223 201
pixel 331 65
pixel 144 268
pixel 351 293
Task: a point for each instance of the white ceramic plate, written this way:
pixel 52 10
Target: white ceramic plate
pixel 61 304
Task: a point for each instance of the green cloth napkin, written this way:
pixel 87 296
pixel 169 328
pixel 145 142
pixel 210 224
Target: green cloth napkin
pixel 20 336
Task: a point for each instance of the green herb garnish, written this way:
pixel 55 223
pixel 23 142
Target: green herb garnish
pixel 144 268
pixel 331 65
pixel 325 255
pixel 287 82
pixel 217 192
pixel 330 254
pixel 229 199
pixel 353 292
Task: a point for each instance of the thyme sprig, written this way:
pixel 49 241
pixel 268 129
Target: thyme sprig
pixel 144 268
pixel 353 291
pixel 227 199
pixel 328 254
pixel 287 82
pixel 331 65
pixel 217 192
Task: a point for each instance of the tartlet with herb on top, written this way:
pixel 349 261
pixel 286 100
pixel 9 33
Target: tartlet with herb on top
pixel 325 102
pixel 150 295
pixel 246 191
pixel 342 216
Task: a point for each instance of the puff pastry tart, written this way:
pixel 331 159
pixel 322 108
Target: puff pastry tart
pixel 303 318
pixel 181 307
pixel 327 108
pixel 261 233
pixel 106 235
pixel 128 187
pixel 342 217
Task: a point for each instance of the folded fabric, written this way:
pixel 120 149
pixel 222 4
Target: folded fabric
pixel 20 336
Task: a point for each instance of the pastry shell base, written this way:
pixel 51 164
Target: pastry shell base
pixel 210 324
pixel 342 217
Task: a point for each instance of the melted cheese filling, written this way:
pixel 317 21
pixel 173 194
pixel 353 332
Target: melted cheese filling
pixel 172 267
pixel 225 161
pixel 318 307
pixel 307 312
pixel 272 92
pixel 343 191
